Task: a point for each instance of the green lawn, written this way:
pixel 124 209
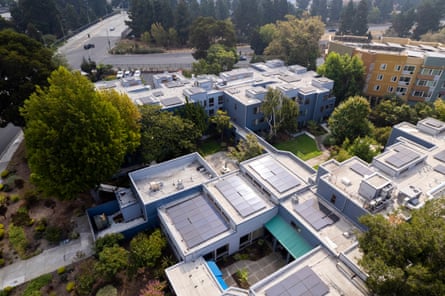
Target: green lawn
pixel 209 146
pixel 302 146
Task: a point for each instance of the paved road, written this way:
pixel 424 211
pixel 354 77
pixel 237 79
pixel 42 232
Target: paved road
pixel 7 135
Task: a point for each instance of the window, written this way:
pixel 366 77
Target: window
pixel 307 101
pixel 426 71
pixel 321 108
pixel 220 100
pixel 333 198
pixel 390 89
pixel 394 78
pixel 205 103
pixel 405 79
pixel 211 112
pixel 397 68
pixel 377 87
pixel 256 110
pixel 300 99
pixel 235 106
pixel 421 82
pixel 383 66
pixel 401 90
pixel 409 68
pixel 418 93
pixel 211 102
pixel 222 251
pixel 380 77
pixel 244 240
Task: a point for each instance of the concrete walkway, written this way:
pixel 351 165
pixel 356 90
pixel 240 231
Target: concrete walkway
pixel 8 153
pixel 51 259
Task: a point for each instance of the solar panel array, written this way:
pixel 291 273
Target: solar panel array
pixel 402 157
pixel 171 101
pixel 196 220
pixel 440 168
pixel 311 212
pixel 240 195
pixel 361 169
pixel 303 282
pixel 440 156
pixel 275 174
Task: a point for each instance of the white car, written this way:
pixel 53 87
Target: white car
pixel 119 74
pixel 137 73
pixel 127 73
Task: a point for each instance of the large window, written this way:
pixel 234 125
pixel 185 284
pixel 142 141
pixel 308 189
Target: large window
pixel 211 102
pixel 434 72
pixel 222 251
pixel 405 79
pixel 220 100
pixel 409 68
pixel 244 240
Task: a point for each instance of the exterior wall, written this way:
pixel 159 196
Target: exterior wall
pixel 214 101
pixel 341 202
pixel 435 63
pixel 132 212
pixel 255 118
pixel 303 231
pixel 340 48
pixel 395 133
pixel 236 110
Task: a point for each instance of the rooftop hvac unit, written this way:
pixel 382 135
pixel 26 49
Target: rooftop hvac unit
pixel 346 181
pixel 155 186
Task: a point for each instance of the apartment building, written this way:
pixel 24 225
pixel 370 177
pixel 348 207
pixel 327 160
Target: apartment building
pixel 412 70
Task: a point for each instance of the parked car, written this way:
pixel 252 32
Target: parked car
pixel 120 74
pixel 127 73
pixel 137 73
pixel 88 46
pixel 112 29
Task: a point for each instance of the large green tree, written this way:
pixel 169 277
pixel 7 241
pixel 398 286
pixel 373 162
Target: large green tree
pixel 221 121
pixel 145 250
pixel 280 112
pixel 350 120
pixel 24 63
pixel 76 137
pixel 347 19
pixel 111 261
pixel 401 23
pixel 428 16
pixel 165 135
pixel 406 258
pixel 347 72
pixel 219 58
pixel 360 23
pixel 296 41
pixel 246 149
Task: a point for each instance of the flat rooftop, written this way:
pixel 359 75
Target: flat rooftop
pixel 194 222
pixel 158 181
pixel 337 233
pixel 314 274
pixel 238 197
pixel 278 179
pixel 193 279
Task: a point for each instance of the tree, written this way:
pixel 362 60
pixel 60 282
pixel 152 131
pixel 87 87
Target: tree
pixel 222 57
pixel 246 18
pixel 107 241
pixel 222 9
pixel 111 261
pixel 439 109
pixel 335 8
pixel 182 21
pixel 262 37
pixel 320 8
pixel 146 250
pixel 153 288
pixel 221 121
pixel 428 17
pixel 347 72
pixel 405 258
pixel 360 23
pixel 434 37
pixel 195 113
pixel 363 147
pixel 164 135
pixel 350 119
pixel 296 41
pixel 279 111
pixel 302 4
pixel 402 22
pixel 24 63
pixel 75 136
pixel 246 149
pixel 347 19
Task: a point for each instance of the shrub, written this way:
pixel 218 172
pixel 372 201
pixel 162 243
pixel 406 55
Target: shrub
pixel 2 231
pixel 61 270
pixel 3 198
pixel 4 174
pixel 53 234
pixel 70 286
pixel 14 198
pixel 19 182
pixel 18 240
pixel 40 225
pixel 2 262
pixel 6 291
pixel 108 240
pixel 34 286
pixel 1 186
pixel 21 218
pixel 108 290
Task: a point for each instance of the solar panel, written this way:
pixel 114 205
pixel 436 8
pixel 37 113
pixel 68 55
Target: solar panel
pixel 240 195
pixel 315 214
pixel 402 157
pixel 196 220
pixel 440 156
pixel 440 168
pixel 303 282
pixel 275 174
pixel 361 169
pixel 158 93
pixel 171 101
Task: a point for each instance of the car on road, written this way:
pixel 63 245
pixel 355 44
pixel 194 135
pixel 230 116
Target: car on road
pixel 88 46
pixel 112 28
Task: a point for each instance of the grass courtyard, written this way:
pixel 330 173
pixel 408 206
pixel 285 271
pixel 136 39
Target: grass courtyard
pixel 302 146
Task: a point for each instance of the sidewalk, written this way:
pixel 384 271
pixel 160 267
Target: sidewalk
pixel 9 152
pixel 51 259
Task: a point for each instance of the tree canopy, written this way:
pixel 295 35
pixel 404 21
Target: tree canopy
pixel 24 63
pixel 406 258
pixel 76 137
pixel 221 121
pixel 165 135
pixel 146 250
pixel 246 149
pixel 350 120
pixel 280 112
pixel 219 58
pixel 347 72
pixel 354 19
pixel 296 41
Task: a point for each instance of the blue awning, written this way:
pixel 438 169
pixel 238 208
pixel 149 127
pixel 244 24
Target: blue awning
pixel 217 273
